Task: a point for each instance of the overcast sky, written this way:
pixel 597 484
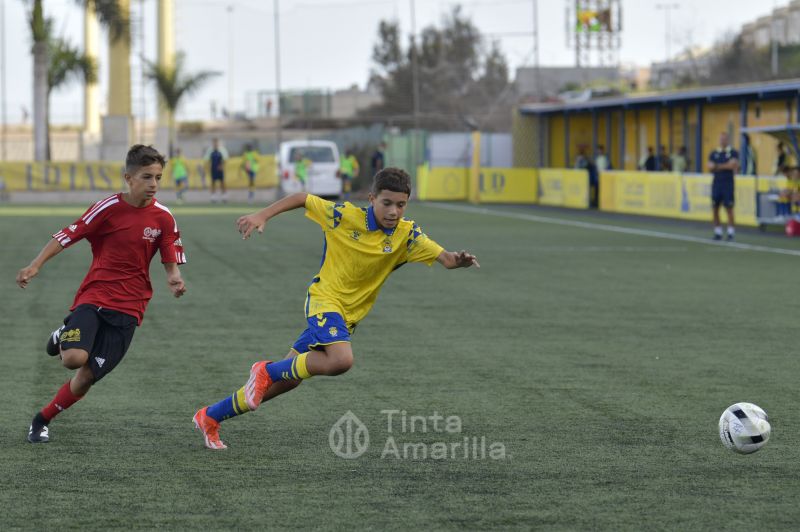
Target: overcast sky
pixel 328 43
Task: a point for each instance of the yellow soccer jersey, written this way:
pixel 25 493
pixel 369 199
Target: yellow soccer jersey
pixel 358 256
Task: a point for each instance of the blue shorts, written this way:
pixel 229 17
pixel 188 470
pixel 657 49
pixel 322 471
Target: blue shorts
pixel 323 329
pixel 217 176
pixel 722 192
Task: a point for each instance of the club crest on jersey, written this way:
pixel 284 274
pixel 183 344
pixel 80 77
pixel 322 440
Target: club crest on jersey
pixel 151 234
pixel 387 246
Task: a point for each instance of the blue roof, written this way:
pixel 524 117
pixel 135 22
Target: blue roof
pixel 754 91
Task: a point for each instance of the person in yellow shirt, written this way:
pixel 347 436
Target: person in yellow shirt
pixel 250 167
pixel 348 170
pixel 363 246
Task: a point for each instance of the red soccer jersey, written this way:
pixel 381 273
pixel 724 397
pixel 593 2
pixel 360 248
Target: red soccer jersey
pixel 124 240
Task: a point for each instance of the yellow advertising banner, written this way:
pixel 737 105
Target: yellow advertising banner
pixel 442 183
pixel 63 176
pixel 507 185
pixel 686 196
pixel 562 187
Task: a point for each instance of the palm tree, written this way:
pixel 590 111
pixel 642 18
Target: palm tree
pixel 173 83
pixel 109 14
pixel 66 63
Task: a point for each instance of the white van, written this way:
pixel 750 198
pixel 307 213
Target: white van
pixel 322 179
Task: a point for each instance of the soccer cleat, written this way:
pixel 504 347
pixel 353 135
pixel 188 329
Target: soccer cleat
pixel 257 384
pixel 54 342
pixel 38 432
pixel 717 237
pixel 729 238
pixel 210 429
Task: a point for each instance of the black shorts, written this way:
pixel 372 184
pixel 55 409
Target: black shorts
pixel 105 334
pixel 722 192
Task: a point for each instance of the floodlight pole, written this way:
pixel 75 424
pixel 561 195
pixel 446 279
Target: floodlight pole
pixel 415 64
pixel 230 61
pixel 668 35
pixel 3 79
pixel 278 73
pixel 415 86
pixel 536 71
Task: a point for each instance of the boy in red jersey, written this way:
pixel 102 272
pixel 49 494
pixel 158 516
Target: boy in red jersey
pixel 125 231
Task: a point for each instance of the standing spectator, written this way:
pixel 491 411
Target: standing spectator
pixel 584 163
pixel 301 166
pixel 180 173
pixel 780 161
pixel 679 161
pixel 581 161
pixel 250 167
pixel 664 162
pixel 348 170
pixel 216 158
pixel 723 163
pixel 601 160
pixel 378 160
pixel 648 162
pixel 751 162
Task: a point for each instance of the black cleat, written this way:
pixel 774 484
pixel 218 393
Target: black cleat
pixel 729 238
pixel 717 237
pixel 54 342
pixel 38 432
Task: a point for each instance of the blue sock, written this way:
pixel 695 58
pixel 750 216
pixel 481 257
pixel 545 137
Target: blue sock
pixel 289 369
pixel 229 407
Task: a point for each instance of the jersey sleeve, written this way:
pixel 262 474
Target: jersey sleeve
pixel 421 248
pixel 326 213
pixel 171 247
pixel 87 224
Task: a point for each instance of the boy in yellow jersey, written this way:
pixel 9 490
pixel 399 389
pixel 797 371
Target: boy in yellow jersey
pixel 250 167
pixel 180 173
pixel 362 247
pixel 301 166
pixel 348 170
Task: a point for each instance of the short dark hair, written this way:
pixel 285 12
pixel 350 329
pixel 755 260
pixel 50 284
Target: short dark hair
pixel 394 179
pixel 140 155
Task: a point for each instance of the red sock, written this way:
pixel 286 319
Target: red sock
pixel 64 399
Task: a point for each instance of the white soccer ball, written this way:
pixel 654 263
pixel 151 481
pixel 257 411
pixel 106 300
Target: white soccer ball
pixel 744 428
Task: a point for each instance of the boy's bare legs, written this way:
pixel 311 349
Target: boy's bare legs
pixel 335 360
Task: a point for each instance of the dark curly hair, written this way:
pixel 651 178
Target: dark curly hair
pixel 140 155
pixel 394 179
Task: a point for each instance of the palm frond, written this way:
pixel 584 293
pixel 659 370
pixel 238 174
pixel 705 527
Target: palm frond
pixel 173 83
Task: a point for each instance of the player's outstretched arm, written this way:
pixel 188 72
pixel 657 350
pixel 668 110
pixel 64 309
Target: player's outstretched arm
pixel 257 220
pixel 50 250
pixel 174 279
pixel 457 259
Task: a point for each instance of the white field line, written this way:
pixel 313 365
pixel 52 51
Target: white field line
pixel 614 229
